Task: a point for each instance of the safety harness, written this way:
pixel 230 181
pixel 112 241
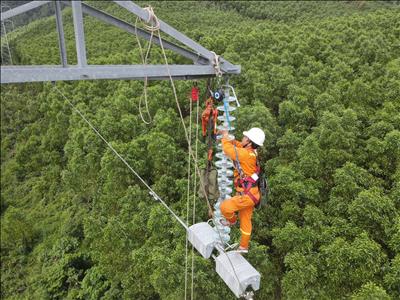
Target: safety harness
pixel 209 123
pixel 209 174
pixel 248 182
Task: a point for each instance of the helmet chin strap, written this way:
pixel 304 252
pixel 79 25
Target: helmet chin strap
pixel 244 146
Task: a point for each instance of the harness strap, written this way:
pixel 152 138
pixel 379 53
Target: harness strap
pixel 247 182
pixel 250 181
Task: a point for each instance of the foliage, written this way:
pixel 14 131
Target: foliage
pixel 322 80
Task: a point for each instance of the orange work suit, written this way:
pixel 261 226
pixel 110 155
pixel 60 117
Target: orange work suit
pixel 241 203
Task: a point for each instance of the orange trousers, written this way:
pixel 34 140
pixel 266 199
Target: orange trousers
pixel 245 206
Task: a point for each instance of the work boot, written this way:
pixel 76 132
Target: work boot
pixel 242 250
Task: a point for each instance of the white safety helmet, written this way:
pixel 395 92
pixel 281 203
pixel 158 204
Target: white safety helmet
pixel 256 135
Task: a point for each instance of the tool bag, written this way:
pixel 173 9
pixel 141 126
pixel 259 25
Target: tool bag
pixel 209 179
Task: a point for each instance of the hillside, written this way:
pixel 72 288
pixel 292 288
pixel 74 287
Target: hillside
pixel 323 82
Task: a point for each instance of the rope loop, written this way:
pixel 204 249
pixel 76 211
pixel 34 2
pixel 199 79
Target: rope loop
pixel 152 19
pixel 144 56
pixel 216 64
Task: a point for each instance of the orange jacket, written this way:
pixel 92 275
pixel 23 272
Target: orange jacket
pixel 247 159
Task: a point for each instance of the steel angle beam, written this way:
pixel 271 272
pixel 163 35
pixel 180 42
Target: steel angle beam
pixel 109 19
pixel 202 58
pixel 237 272
pixel 61 38
pixel 22 8
pixel 164 27
pixel 13 74
pixel 79 33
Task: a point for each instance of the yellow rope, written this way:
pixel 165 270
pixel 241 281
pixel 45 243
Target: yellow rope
pixel 144 62
pixel 188 200
pixel 194 189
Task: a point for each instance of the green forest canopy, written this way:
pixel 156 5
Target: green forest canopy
pixel 323 81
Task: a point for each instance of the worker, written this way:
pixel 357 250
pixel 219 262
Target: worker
pixel 245 181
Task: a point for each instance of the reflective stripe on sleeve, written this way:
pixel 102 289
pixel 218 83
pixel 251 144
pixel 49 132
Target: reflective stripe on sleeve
pixel 245 233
